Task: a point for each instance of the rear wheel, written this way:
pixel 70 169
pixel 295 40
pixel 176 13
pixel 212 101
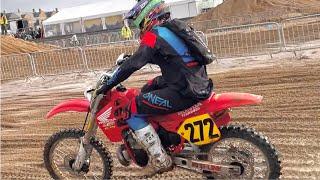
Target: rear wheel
pixel 243 147
pixel 61 150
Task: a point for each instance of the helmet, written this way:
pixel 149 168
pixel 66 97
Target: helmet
pixel 147 13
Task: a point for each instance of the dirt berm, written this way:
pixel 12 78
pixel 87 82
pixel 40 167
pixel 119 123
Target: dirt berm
pixel 285 8
pixel 11 45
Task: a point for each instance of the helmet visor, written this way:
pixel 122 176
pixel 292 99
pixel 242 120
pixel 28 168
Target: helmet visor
pixel 136 10
pixel 141 10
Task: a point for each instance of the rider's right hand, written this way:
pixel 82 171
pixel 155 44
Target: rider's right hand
pixel 101 90
pixel 104 88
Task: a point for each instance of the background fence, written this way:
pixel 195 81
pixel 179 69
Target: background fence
pixel 234 41
pixel 64 61
pixel 87 39
pixel 301 32
pixel 58 61
pixel 245 40
pixel 16 66
pixel 104 55
pixel 90 38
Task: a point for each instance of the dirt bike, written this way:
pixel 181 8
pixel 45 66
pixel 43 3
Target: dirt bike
pixel 198 138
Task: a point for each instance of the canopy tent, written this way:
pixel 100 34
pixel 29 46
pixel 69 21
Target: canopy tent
pixel 91 11
pixel 104 15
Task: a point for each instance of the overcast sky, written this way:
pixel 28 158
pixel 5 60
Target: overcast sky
pixel 28 5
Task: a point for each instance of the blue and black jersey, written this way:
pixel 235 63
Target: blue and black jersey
pixel 180 71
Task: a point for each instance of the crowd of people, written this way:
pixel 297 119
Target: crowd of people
pixel 29 33
pixel 23 33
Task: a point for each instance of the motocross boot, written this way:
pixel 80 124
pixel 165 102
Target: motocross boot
pixel 159 160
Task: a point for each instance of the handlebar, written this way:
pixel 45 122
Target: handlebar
pixel 91 94
pixel 105 77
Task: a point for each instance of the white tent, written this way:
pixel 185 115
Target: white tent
pixel 183 8
pixel 86 18
pixel 98 16
pixel 90 11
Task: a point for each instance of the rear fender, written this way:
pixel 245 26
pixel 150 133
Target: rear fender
pixel 229 100
pixel 74 105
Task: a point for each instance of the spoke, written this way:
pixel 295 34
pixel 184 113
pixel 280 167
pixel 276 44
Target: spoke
pixel 55 153
pixel 66 147
pixel 249 155
pixel 222 150
pixel 62 168
pixel 58 164
pixel 61 152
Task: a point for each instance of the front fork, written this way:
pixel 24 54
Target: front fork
pixel 85 148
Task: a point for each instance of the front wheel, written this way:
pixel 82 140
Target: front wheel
pixel 61 150
pixel 243 147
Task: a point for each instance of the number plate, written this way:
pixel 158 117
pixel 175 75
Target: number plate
pixel 199 130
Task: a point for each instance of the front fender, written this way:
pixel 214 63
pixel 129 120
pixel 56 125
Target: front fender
pixel 77 105
pixel 229 100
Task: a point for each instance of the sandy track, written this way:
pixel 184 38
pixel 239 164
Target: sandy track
pixel 289 116
pixel 11 45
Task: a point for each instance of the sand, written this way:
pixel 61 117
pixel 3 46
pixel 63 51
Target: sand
pixel 11 45
pixel 261 8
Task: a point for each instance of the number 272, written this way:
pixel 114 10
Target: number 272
pixel 200 123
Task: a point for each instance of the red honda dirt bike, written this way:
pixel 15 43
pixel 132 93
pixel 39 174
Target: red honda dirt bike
pixel 198 138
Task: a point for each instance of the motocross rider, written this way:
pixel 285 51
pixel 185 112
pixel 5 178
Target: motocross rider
pixel 174 91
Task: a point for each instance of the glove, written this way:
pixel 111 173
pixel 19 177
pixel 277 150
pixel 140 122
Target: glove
pixel 111 82
pixel 104 88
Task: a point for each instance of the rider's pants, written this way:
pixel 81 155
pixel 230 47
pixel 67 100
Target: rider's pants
pixel 156 98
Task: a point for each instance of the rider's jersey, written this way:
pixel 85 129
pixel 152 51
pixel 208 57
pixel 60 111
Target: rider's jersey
pixel 179 69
